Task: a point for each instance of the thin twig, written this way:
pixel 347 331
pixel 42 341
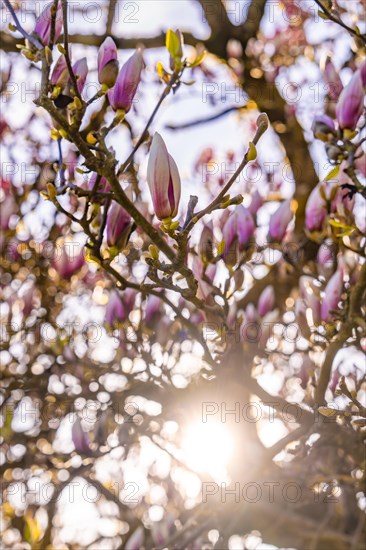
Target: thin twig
pixel 203 120
pixel 175 77
pixel 339 22
pixel 216 202
pixel 67 51
pixel 26 35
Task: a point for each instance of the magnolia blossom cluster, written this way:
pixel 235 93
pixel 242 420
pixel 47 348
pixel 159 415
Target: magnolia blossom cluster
pixel 339 126
pixel 238 226
pixel 121 86
pixel 340 133
pixel 349 101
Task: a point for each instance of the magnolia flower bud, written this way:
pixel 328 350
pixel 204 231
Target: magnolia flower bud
pixel 333 80
pixel 160 531
pixel 27 299
pixel 8 207
pixel 43 24
pixel 80 438
pixel 198 269
pixel 323 125
pixel 350 103
pixel 334 380
pixel 257 201
pixel 306 370
pixel 115 310
pixel 266 301
pixel 60 73
pixel 136 540
pixel 326 258
pixel 251 313
pixel 205 246
pixel 332 295
pixel 66 265
pixel 129 298
pixel 315 210
pixel 107 62
pixel 122 94
pixel 119 226
pixel 163 180
pixel 279 221
pixel 362 69
pixel 239 228
pixel 152 310
pixel 80 69
pixel 61 77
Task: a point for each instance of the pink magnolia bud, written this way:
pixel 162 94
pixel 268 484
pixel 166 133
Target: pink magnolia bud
pixel 323 125
pixel 239 228
pixel 204 287
pixel 119 226
pixel 266 301
pixel 163 180
pixel 362 69
pixel 162 530
pixel 66 265
pixel 60 73
pixel 136 540
pixel 152 309
pixel 129 298
pixel 257 201
pixel 115 310
pixel 80 438
pixel 251 313
pixel 43 24
pixel 326 258
pixel 333 80
pixel 334 380
pixel 80 69
pixel 245 226
pixel 315 210
pixel 122 94
pixel 8 207
pixel 350 103
pixel 332 295
pixel 27 297
pixel 107 62
pixel 279 221
pixel 205 246
pixel 306 370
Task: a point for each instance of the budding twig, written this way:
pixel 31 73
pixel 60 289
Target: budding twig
pixel 174 79
pixel 32 39
pixel 263 124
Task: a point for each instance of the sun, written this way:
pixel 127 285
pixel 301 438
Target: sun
pixel 208 448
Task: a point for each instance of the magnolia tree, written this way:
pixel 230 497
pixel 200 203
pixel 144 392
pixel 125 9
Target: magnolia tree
pixel 182 361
